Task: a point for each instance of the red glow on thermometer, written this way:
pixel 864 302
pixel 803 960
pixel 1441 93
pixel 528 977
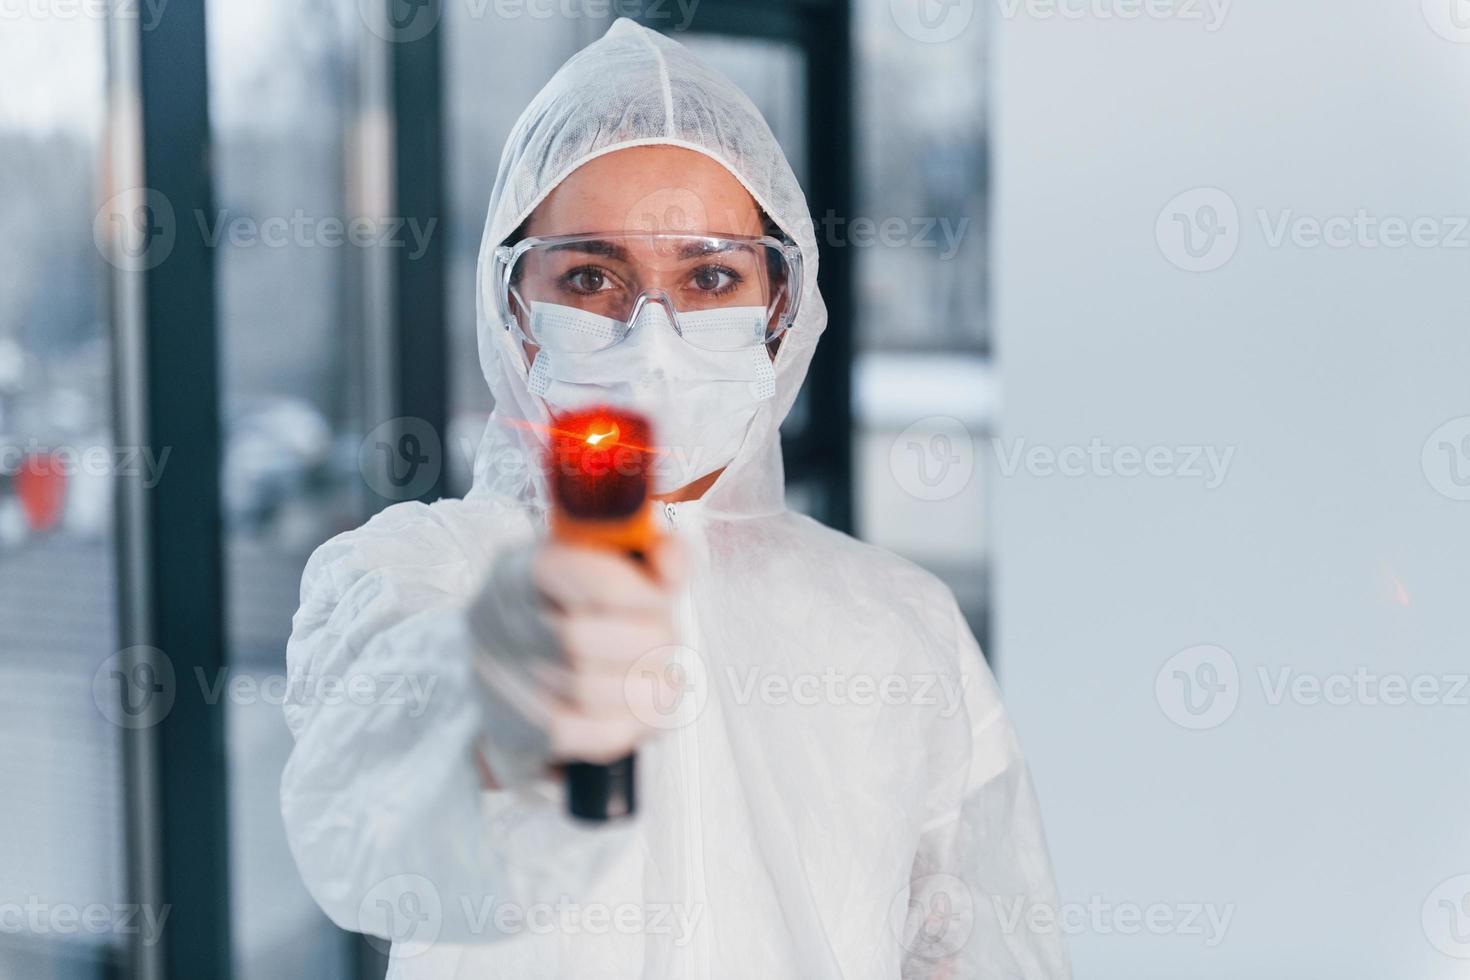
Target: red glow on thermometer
pixel 595 438
pixel 600 463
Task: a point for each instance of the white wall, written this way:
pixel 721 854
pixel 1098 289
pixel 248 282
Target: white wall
pixel 1327 547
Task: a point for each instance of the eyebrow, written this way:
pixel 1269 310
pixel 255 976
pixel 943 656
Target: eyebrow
pixel 594 246
pixel 612 250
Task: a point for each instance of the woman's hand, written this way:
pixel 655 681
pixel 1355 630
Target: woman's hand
pixel 573 644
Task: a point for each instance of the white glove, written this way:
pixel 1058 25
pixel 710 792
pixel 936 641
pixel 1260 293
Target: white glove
pixel 559 628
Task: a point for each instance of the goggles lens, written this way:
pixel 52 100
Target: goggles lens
pixel 607 275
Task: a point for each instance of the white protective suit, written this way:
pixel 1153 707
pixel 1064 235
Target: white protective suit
pixel 843 797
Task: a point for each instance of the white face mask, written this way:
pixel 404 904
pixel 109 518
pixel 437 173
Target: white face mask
pixel 701 402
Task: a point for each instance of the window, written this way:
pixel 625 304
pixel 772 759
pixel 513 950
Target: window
pixel 923 394
pixel 284 109
pixel 61 829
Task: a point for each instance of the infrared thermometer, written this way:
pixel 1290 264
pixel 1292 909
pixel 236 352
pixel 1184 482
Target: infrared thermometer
pixel 600 476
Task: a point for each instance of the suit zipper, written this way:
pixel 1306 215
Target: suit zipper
pixel 688 743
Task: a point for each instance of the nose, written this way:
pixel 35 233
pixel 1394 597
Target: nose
pixel 653 309
pixel 653 336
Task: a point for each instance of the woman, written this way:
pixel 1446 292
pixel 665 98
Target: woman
pixel 834 789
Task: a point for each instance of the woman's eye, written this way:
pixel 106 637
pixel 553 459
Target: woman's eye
pixel 587 280
pixel 713 279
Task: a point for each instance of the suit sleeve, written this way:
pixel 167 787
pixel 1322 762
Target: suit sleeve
pixel 382 796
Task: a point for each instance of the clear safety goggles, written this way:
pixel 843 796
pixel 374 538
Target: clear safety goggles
pixel 722 292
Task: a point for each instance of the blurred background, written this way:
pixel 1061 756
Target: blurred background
pixel 1148 336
